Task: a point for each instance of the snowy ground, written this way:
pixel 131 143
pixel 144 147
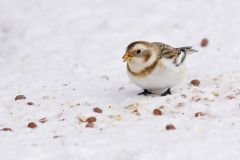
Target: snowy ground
pixel 65 57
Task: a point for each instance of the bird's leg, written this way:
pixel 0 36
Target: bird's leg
pixel 168 91
pixel 145 92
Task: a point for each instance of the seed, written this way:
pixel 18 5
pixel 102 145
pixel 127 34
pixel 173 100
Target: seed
pixel 157 112
pixel 195 82
pixel 198 114
pixel 170 127
pixel 204 42
pixel 91 119
pixel 97 110
pixel 20 97
pixel 32 125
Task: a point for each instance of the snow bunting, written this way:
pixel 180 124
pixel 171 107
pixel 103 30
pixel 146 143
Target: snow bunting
pixel 155 66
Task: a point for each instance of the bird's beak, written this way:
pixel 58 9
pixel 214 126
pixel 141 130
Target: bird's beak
pixel 127 57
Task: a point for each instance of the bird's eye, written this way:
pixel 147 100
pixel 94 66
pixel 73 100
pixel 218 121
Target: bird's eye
pixel 138 51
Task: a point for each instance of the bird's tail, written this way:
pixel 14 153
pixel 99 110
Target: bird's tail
pixel 187 50
pixel 182 53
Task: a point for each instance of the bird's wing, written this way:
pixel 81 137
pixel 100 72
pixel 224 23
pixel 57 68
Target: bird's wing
pixel 166 51
pixel 169 52
pixel 178 55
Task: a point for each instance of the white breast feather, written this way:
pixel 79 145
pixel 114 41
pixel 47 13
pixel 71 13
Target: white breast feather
pixel 162 77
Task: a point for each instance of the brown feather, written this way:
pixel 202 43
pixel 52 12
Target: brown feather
pixel 148 70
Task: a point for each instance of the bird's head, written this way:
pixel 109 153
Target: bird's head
pixel 138 52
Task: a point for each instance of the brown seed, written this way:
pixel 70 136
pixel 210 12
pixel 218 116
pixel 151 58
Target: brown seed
pixel 198 114
pixel 204 42
pixel 43 120
pixel 6 129
pixel 97 110
pixel 170 127
pixel 91 119
pixel 19 97
pixel 30 103
pixel 195 82
pixel 157 112
pixel 89 125
pixel 230 97
pixel 32 125
pixel 57 136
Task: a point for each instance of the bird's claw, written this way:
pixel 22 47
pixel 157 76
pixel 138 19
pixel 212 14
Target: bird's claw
pixel 145 92
pixel 168 91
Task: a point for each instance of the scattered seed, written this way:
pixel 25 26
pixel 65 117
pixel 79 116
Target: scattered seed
pixel 43 120
pixel 170 127
pixel 20 97
pixel 198 114
pixel 6 129
pixel 204 42
pixel 157 112
pixel 30 103
pixel 97 110
pixel 91 119
pixel 32 125
pixel 230 97
pixel 195 82
pixel 57 136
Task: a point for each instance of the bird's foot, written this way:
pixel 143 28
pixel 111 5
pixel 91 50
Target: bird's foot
pixel 145 92
pixel 168 91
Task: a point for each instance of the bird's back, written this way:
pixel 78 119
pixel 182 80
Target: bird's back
pixel 166 50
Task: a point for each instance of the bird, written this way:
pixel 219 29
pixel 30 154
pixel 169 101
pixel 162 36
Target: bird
pixel 155 66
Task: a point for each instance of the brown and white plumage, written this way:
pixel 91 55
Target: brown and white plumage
pixel 155 65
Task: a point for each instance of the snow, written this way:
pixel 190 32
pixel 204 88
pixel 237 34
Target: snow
pixel 65 57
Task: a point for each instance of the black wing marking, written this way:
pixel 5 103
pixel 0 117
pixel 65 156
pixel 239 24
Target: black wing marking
pixel 184 51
